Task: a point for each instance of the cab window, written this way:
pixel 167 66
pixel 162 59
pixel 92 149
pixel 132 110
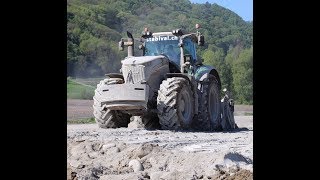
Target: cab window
pixel 189 48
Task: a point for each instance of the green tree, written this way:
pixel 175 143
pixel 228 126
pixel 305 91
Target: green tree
pixel 242 70
pixel 94 28
pixel 216 59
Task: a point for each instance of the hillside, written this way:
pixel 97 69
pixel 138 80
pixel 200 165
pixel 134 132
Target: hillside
pixel 95 27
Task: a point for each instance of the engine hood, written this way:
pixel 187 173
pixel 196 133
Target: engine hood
pixel 141 60
pixel 142 68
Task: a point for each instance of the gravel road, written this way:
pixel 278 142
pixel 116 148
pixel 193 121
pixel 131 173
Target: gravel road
pixel 124 153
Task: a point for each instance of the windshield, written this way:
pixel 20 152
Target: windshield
pixel 167 45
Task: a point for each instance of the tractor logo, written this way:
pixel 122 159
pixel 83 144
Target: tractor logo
pixel 129 77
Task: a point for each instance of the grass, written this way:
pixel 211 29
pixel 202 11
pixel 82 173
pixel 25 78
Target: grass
pixel 82 121
pixel 89 81
pixel 248 114
pixel 77 90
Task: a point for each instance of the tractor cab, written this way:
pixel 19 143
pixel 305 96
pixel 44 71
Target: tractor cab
pixel 178 47
pixel 168 45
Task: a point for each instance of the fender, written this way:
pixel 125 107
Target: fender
pixel 203 71
pixel 114 75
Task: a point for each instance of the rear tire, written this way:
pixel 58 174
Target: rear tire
pixel 175 104
pixel 105 117
pixel 209 117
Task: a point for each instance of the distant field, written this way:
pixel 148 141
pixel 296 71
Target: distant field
pixel 78 90
pixel 78 109
pixel 83 88
pixel 89 81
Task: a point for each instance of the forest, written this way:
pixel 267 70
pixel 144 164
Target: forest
pixel 94 28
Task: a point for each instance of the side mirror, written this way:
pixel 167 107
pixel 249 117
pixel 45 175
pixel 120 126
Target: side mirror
pixel 121 45
pixel 200 40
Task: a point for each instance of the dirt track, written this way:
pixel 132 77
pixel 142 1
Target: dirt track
pixel 78 109
pixel 124 153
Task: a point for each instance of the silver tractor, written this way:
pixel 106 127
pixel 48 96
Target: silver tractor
pixel 167 87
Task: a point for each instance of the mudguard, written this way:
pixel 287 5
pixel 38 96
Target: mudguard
pixel 114 75
pixel 203 71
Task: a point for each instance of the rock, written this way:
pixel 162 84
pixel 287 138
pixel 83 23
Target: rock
pixel 121 145
pixel 136 165
pixel 248 167
pixel 93 155
pixel 210 172
pixel 70 173
pixel 115 149
pixel 145 175
pixel 95 146
pixel 170 175
pixel 131 176
pixel 236 158
pixel 156 175
pixel 175 175
pixel 80 166
pixel 78 150
pixel 80 140
pixel 73 175
pixel 143 150
pixel 152 161
pixel 105 147
pixel 136 122
pixel 75 164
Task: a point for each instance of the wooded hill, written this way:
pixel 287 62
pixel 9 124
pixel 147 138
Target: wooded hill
pixel 95 27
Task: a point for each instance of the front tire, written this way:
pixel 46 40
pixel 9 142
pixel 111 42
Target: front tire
pixel 105 117
pixel 175 104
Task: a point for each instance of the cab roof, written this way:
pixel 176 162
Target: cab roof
pixel 162 33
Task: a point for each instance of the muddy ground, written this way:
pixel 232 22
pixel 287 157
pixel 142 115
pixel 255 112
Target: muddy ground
pixel 135 153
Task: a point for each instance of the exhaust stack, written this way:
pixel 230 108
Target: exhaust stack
pixel 129 43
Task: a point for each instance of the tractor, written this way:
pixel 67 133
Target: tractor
pixel 168 87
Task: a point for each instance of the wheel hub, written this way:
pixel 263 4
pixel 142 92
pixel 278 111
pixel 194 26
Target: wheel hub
pixel 182 106
pixel 212 105
pixel 185 106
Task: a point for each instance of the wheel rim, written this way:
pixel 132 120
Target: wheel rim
pixel 213 105
pixel 185 106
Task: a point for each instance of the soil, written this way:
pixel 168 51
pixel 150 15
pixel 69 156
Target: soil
pixel 137 153
pixel 80 109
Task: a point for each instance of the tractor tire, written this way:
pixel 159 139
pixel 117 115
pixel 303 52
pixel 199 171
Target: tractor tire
pixel 175 104
pixel 209 114
pixel 106 118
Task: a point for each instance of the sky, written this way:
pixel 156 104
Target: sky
pixel 244 8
